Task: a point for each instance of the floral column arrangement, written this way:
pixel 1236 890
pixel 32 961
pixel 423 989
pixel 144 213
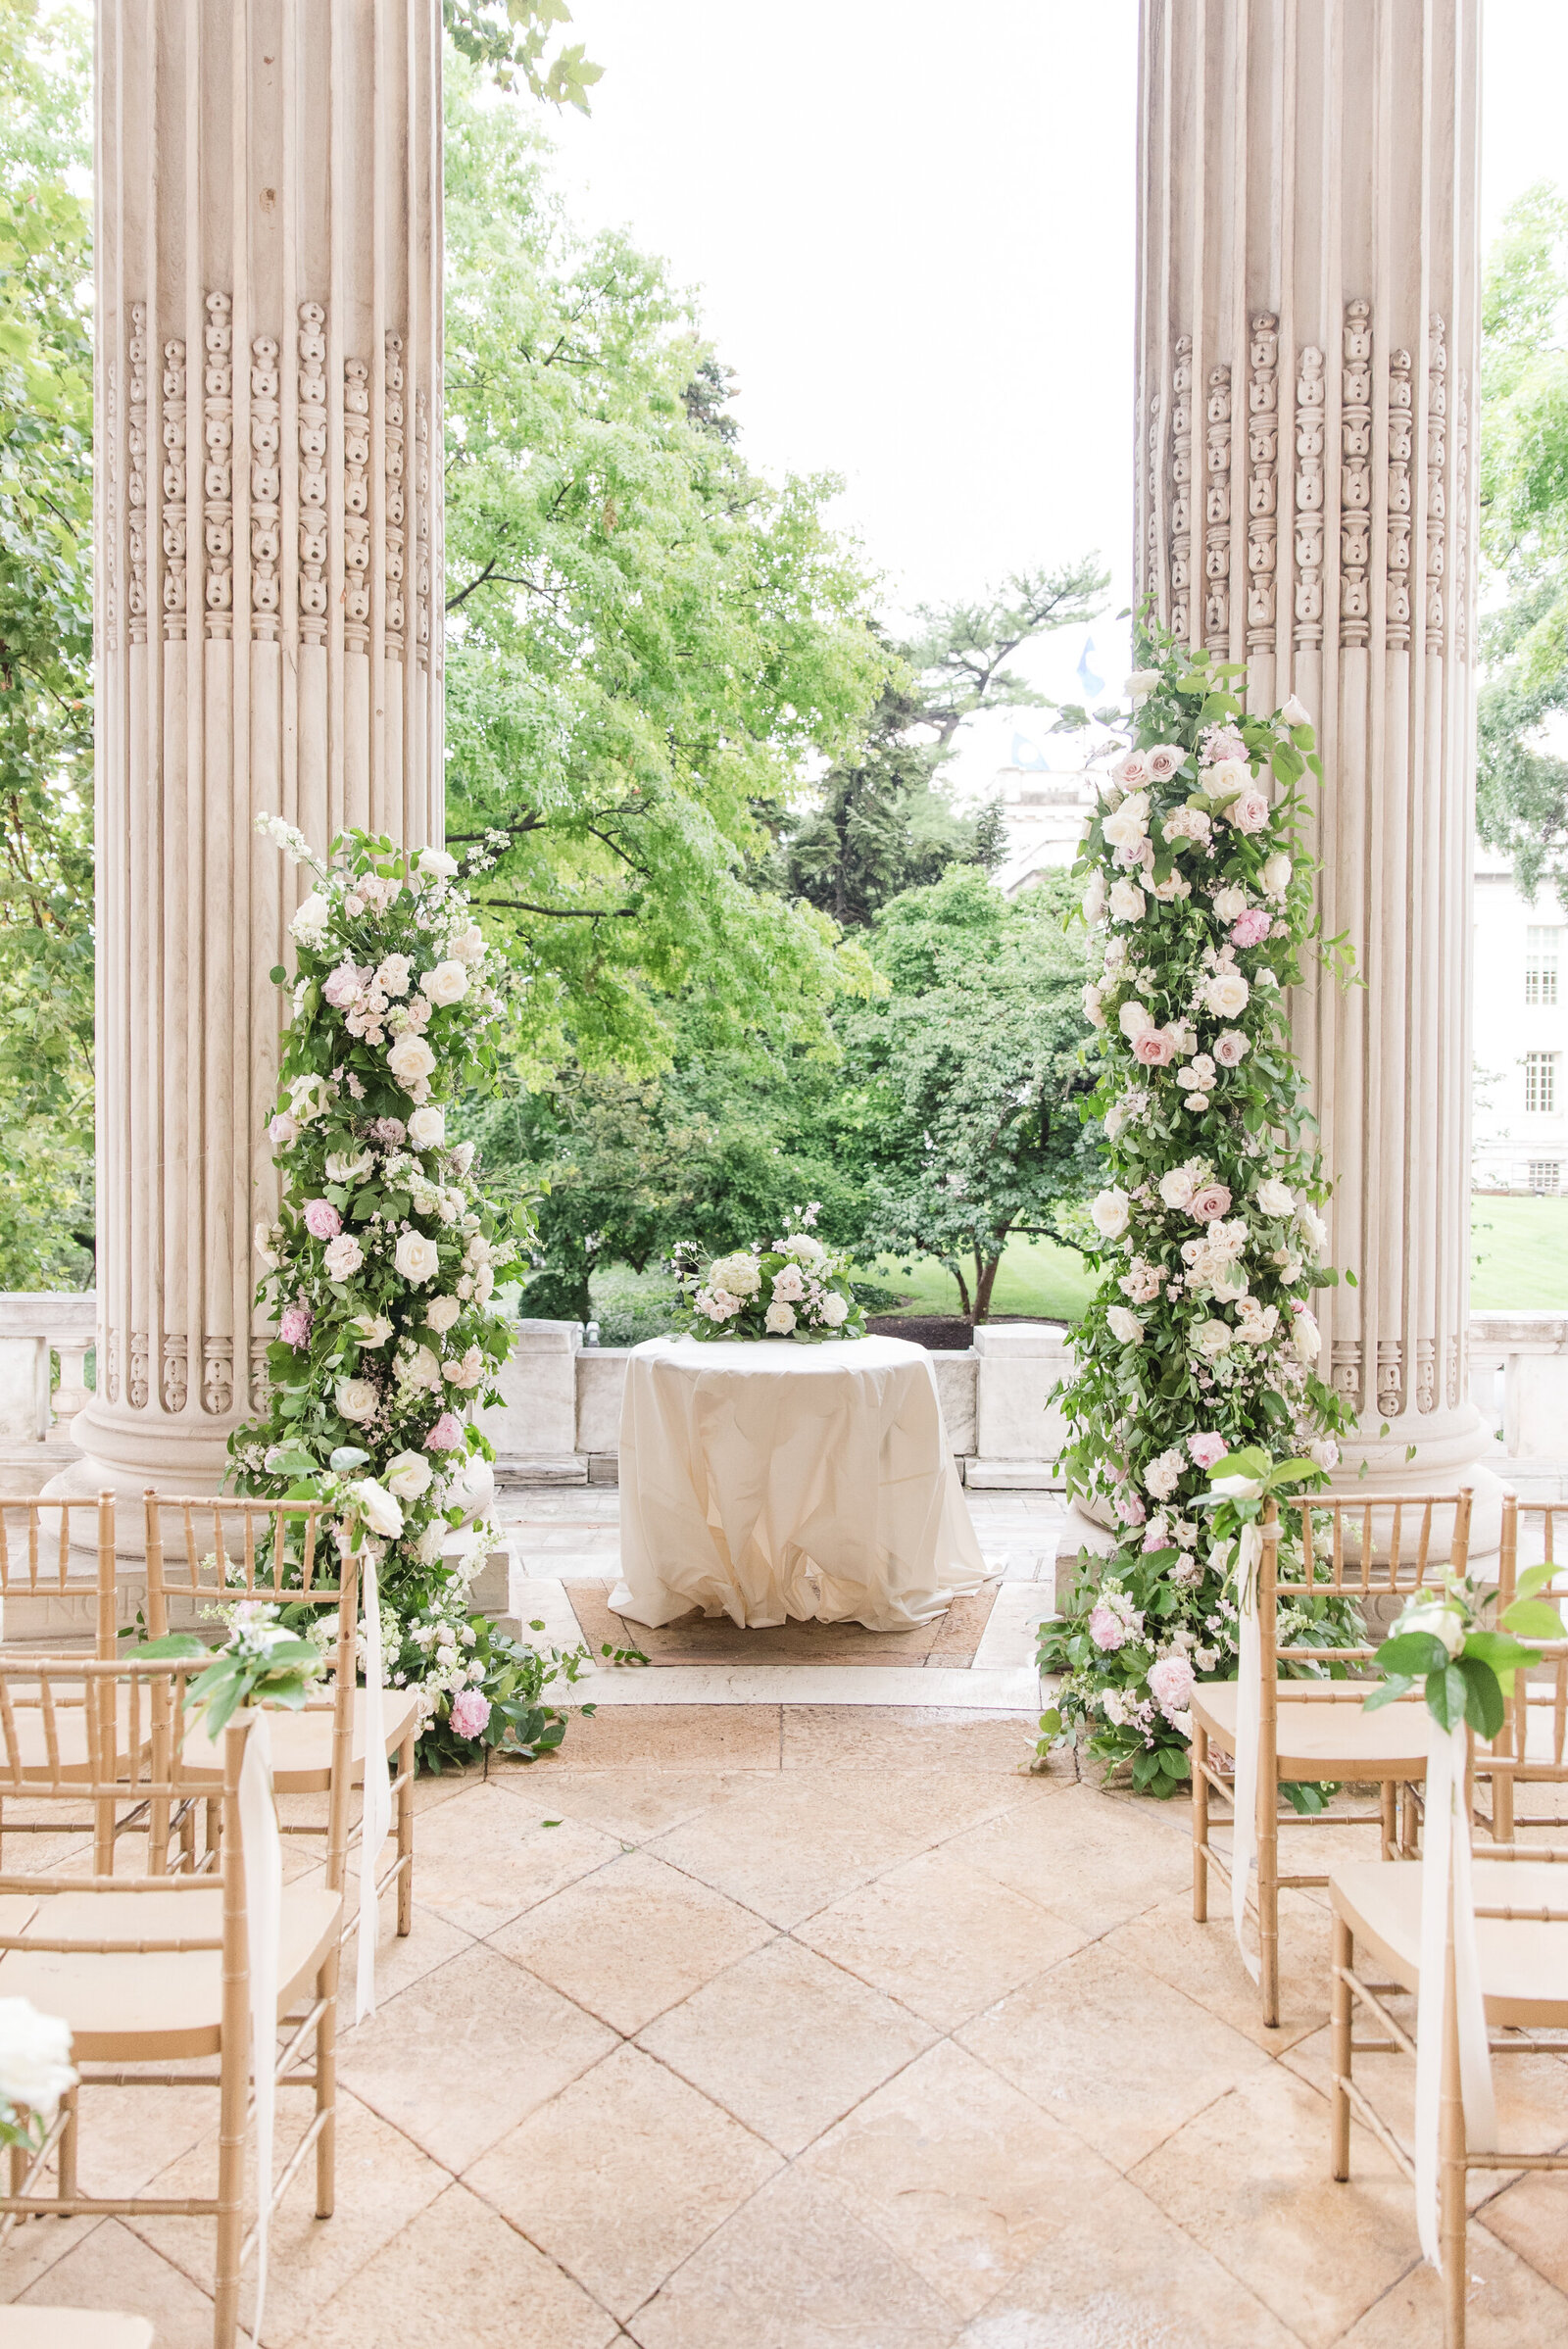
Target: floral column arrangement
pixel 1202 1339
pixel 381 1267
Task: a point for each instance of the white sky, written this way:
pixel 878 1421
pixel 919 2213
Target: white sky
pixel 911 231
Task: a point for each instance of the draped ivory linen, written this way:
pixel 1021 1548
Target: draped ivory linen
pixel 764 1479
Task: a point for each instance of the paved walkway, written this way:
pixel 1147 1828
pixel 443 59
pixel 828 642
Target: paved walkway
pixel 790 2027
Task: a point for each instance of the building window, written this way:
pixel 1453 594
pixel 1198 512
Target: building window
pixel 1545 1175
pixel 1541 1082
pixel 1541 966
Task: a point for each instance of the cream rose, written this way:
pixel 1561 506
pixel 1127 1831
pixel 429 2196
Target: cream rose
pixel 1296 712
pixel 447 984
pixel 1111 1211
pixel 375 1329
pixel 310 921
pixel 1123 1325
pixel 408 1474
pixel 355 1399
pixel 1127 901
pixel 427 1129
pixel 441 1313
pixel 435 865
pixel 1213 1338
pixel 1093 901
pixel 468 944
pixel 1226 993
pixel 779 1318
pixel 347 1166
pixel 833 1309
pixel 1094 1006
pixel 1177 1187
pixel 1276 874
pixel 378 1508
pixel 1275 1197
pixel 1135 1019
pixel 411 1060
pixel 417 1258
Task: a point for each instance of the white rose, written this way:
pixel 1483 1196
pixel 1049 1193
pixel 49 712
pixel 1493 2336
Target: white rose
pixel 1325 1451
pixel 1177 1187
pixel 1225 779
pixel 264 1246
pixel 435 865
pixel 309 1097
pixel 779 1317
pixel 1127 901
pixel 448 983
pixel 378 1508
pixel 806 1248
pixel 345 1166
pixel 375 1329
pixel 1436 1616
pixel 1230 903
pixel 1135 1019
pixel 1127 827
pixel 468 944
pixel 408 1474
pixel 833 1309
pixel 1124 1325
pixel 419 1368
pixel 1142 683
pixel 344 1256
pixel 1306 1336
pixel 441 1313
pixel 473 1488
pixel 417 1258
pixel 1213 1338
pixel 1110 1212
pixel 310 922
pixel 355 1399
pixel 427 1129
pixel 1296 712
pixel 1276 1198
pixel 484 1283
pixel 1227 994
pixel 1094 1006
pixel 411 1060
pixel 1094 904
pixel 1276 876
pixel 34 2057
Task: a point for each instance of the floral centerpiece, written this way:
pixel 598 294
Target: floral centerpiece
pixel 35 2073
pixel 1200 1340
pixel 381 1267
pixel 793 1288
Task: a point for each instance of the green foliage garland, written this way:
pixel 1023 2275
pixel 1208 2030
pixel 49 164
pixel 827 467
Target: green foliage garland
pixel 1201 1342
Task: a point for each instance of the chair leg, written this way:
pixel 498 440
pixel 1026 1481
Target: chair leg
pixel 1199 1826
pixel 1268 1899
pixel 1452 2177
pixel 1502 1806
pixel 406 1834
pixel 233 2106
pixel 1408 1838
pixel 214 1832
pixel 1389 1798
pixel 1340 2020
pixel 66 2152
pixel 327 1982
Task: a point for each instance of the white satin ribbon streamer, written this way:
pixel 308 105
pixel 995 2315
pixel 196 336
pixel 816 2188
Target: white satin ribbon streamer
pixel 1249 1732
pixel 262 1851
pixel 378 1815
pixel 1446 1892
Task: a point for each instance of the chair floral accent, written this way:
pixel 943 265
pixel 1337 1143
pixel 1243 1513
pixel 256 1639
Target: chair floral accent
pixel 1202 1339
pixel 1516 1757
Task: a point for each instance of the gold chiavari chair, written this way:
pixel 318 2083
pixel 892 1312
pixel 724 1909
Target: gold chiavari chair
pixel 203 1554
pixel 1314 1730
pixel 1521 1913
pixel 1532 1746
pixel 151 1971
pixel 39 1542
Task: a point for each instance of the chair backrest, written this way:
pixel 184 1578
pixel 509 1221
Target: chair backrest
pixel 1532 1535
pixel 129 1714
pixel 1360 1550
pixel 37 1542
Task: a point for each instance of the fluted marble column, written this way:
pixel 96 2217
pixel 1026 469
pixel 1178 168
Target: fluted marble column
pixel 269 617
pixel 1307 352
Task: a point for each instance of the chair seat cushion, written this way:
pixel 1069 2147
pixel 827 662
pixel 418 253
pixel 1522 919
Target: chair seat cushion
pixel 1524 1964
pixel 302 1743
pixel 164 2004
pixel 1326 1737
pixel 71 2328
pixel 71 1734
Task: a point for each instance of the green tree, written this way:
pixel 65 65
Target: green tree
pixel 46 954
pixel 881 821
pixel 646 640
pixel 972 1075
pixel 1523 785
pixel 508 39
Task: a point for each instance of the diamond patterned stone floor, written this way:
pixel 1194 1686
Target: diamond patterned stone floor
pixel 804 2027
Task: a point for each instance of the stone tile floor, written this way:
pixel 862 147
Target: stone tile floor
pixel 799 2027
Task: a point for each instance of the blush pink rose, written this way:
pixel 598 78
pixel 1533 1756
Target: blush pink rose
pixel 1231 1049
pixel 470 1712
pixel 342 984
pixel 1106 1629
pixel 1207 1449
pixel 322 1220
pixel 1249 811
pixel 1130 1510
pixel 1252 928
pixel 1163 760
pixel 1209 1205
pixel 1155 1048
pixel 294 1328
pixel 283 1130
pixel 1130 772
pixel 1170 1685
pixel 446 1435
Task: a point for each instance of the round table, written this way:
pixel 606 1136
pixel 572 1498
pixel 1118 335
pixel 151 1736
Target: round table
pixel 768 1479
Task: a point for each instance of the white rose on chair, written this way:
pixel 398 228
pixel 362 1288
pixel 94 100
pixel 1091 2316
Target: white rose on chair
pixel 34 2065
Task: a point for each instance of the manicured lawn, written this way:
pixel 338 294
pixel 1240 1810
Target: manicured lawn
pixel 1037 1276
pixel 1518 1255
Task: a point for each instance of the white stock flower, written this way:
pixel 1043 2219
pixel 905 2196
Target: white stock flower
pixel 417 1258
pixel 779 1318
pixel 355 1399
pixel 427 1128
pixel 408 1474
pixel 34 2057
pixel 441 1313
pixel 1123 1325
pixel 377 1507
pixel 411 1060
pixel 1110 1211
pixel 447 984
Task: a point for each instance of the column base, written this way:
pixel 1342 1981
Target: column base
pixel 1452 1450
pixel 172 1466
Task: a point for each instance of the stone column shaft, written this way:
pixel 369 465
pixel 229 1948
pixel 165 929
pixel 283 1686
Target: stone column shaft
pixel 269 616
pixel 1308 358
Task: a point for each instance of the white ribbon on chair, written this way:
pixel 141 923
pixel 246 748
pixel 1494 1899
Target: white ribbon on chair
pixel 1447 1893
pixel 377 1814
pixel 1249 1732
pixel 262 1851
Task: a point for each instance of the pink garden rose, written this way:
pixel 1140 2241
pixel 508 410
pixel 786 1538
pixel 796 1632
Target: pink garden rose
pixel 390 1132
pixel 1130 1508
pixel 341 986
pixel 470 1712
pixel 322 1220
pixel 1207 1449
pixel 294 1328
pixel 1223 742
pixel 1252 928
pixel 1155 1048
pixel 446 1435
pixel 1107 1631
pixel 1170 1685
pixel 1209 1205
pixel 1163 760
pixel 1231 1049
pixel 1249 811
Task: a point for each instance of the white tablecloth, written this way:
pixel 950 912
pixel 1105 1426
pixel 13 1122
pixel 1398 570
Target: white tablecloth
pixel 767 1479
